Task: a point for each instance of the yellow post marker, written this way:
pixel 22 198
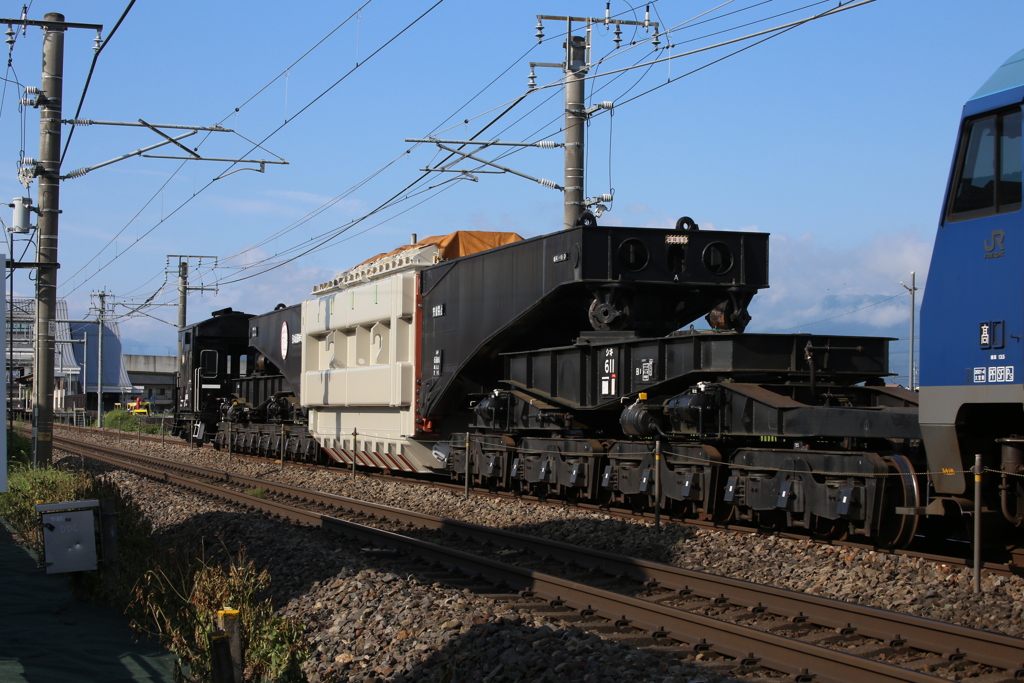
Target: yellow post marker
pixel 228 622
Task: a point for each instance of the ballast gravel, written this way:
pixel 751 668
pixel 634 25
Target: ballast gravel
pixel 370 618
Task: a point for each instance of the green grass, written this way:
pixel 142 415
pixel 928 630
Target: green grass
pixel 121 420
pixel 170 589
pixel 27 487
pixel 19 448
pixel 177 602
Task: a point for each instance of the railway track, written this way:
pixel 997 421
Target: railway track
pixel 1011 562
pixel 745 626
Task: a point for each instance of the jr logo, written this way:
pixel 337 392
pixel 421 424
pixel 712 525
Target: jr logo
pixel 994 247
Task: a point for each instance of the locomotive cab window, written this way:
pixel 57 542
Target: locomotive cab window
pixel 988 172
pixel 208 363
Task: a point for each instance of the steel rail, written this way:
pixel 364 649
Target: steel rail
pixel 952 641
pixel 701 632
pixel 1014 567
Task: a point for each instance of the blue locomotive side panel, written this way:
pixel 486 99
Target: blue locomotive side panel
pixel 972 316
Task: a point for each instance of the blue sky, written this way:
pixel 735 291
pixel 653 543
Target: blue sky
pixel 835 137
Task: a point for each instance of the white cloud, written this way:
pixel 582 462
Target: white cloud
pixel 816 288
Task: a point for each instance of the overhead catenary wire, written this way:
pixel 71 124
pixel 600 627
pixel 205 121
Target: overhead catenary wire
pixel 88 78
pixel 160 190
pixel 506 153
pixel 261 263
pixel 292 118
pixel 706 48
pixel 649 65
pixel 256 145
pixel 291 226
pixel 390 203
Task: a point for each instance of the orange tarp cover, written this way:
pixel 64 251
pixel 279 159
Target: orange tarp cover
pixel 458 243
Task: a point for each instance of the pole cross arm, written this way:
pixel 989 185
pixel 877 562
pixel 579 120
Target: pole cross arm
pixel 168 140
pixel 466 155
pixel 29 264
pixel 50 24
pixel 543 144
pixel 139 152
pixel 143 124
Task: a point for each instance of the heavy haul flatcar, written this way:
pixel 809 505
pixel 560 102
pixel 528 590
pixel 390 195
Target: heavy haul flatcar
pixel 568 363
pixel 397 350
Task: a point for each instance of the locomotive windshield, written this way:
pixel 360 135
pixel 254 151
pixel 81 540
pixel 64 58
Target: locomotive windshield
pixel 208 362
pixel 988 178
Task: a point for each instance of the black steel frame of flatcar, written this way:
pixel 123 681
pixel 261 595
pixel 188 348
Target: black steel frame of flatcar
pixel 790 428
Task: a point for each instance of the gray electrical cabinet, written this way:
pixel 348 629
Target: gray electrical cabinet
pixel 69 535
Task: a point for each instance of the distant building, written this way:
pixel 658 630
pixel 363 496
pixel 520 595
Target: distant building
pixel 21 336
pixel 152 379
pixel 117 387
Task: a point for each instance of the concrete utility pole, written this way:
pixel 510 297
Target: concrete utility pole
pixel 576 68
pixel 912 288
pixel 182 296
pixel 48 97
pixel 99 359
pixel 49 100
pixel 183 287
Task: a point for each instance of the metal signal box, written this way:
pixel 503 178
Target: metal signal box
pixel 69 535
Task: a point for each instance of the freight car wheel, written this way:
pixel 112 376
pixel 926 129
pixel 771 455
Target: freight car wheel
pixel 900 490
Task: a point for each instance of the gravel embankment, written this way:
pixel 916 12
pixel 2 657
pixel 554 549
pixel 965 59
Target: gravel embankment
pixel 368 623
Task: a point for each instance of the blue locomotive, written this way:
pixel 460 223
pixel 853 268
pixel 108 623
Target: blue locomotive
pixel 972 316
